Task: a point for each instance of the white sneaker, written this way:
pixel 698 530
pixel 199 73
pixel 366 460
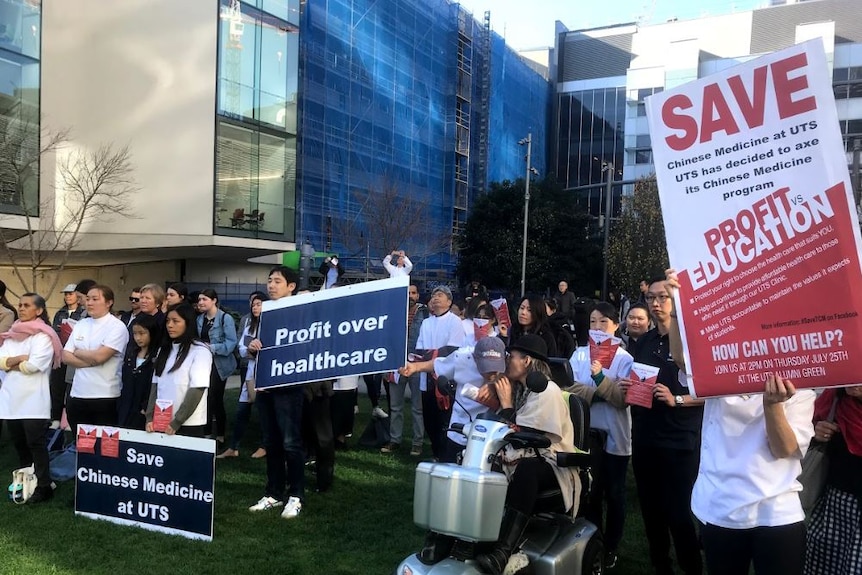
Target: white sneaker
pixel 265 503
pixel 292 509
pixel 379 413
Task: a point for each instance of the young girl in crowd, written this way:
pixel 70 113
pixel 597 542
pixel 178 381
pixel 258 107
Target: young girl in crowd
pixel 137 374
pixel 246 396
pixel 181 375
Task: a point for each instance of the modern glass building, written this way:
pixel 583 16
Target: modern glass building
pixel 406 103
pixel 603 75
pixel 258 59
pixel 20 43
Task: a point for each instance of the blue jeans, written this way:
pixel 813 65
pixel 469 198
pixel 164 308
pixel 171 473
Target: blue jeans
pixel 285 457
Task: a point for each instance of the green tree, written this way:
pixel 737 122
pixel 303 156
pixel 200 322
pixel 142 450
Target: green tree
pixel 559 243
pixel 638 248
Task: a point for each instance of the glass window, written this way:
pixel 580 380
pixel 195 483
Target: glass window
pixel 255 181
pixel 641 109
pixel 840 74
pixel 840 92
pixel 643 141
pixel 643 157
pixel 20 27
pixel 854 127
pixel 855 90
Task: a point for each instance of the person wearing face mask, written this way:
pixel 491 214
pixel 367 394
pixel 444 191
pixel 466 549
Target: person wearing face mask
pixel 441 329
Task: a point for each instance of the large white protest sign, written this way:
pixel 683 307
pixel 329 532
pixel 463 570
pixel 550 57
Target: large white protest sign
pixel 761 222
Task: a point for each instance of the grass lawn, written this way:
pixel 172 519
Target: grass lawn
pixel 363 526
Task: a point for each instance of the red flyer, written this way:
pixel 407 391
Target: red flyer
pixel 163 415
pixel 109 446
pixel 603 347
pixel 643 379
pixel 481 328
pixel 761 224
pixel 501 310
pixel 86 442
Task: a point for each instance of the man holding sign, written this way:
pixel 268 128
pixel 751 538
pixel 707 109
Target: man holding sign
pixel 281 410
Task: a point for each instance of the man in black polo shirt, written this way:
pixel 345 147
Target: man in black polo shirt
pixel 666 446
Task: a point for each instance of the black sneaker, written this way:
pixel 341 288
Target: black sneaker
pixel 610 560
pixel 41 495
pixel 390 448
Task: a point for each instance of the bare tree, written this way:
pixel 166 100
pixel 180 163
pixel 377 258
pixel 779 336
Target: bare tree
pixel 92 185
pixel 387 220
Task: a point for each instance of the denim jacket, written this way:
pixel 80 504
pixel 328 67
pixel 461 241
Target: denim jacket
pixel 222 342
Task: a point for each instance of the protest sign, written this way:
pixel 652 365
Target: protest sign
pixel 603 347
pixel 155 481
pixel 350 330
pixel 761 224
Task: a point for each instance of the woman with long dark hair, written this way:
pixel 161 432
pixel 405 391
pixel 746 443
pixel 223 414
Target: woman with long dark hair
pixel 247 395
pixel 7 311
pixel 217 329
pixel 532 317
pixel 29 350
pixel 181 375
pixel 137 374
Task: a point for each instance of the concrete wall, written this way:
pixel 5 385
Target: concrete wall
pixel 142 73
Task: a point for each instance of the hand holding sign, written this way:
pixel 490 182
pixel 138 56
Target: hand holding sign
pixel 163 414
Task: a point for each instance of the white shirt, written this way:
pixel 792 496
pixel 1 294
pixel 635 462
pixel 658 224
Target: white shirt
pixel 460 367
pixel 27 396
pixel 194 372
pixel 100 381
pixel 436 332
pixel 617 422
pixel 396 271
pixel 346 383
pixel 740 484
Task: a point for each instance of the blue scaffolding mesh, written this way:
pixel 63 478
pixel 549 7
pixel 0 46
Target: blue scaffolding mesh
pixel 390 103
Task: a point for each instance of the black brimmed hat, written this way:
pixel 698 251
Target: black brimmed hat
pixel 532 345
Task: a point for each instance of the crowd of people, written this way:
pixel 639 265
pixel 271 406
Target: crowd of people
pixel 717 477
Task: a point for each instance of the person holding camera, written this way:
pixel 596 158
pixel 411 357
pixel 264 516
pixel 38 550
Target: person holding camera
pixel 402 266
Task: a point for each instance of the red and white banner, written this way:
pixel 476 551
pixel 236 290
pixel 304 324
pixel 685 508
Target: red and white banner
pixel 761 224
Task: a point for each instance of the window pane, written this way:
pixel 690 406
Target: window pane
pixel 238 38
pixel 840 74
pixel 643 141
pixel 20 27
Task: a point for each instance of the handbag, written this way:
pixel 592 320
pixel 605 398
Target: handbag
pixel 815 469
pixel 23 484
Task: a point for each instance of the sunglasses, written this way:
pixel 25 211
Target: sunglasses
pixel 134 299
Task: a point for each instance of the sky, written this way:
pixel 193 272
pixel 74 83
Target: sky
pixel 530 23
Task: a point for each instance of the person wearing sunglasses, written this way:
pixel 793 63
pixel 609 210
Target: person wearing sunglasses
pixel 127 317
pixel 666 444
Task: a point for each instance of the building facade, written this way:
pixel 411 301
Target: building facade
pixel 407 106
pixel 255 125
pixel 602 77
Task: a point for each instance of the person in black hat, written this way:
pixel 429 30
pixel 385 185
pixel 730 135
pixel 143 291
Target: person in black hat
pixel 544 411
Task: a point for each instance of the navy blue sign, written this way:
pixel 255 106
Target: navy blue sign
pixel 351 330
pixel 158 482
